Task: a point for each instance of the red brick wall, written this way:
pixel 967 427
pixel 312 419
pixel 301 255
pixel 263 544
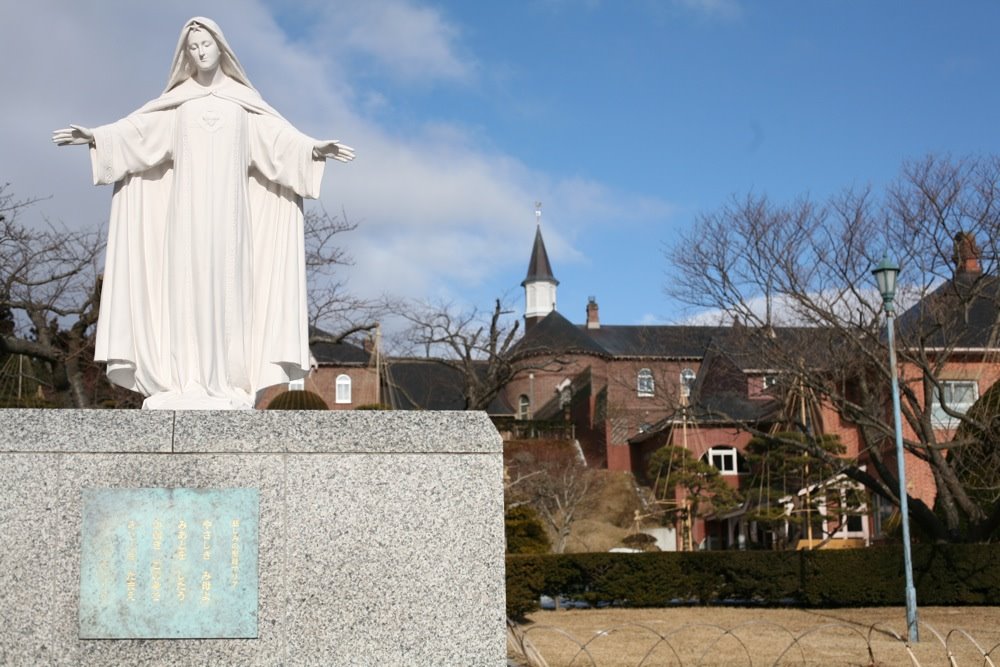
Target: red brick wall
pixel 323 381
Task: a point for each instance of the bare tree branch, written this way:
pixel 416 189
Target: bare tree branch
pixel 808 263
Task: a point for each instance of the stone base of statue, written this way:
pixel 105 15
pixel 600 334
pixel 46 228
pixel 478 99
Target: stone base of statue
pixel 370 538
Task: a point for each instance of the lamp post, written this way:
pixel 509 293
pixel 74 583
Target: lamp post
pixel 885 274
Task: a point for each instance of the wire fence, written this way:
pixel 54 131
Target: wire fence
pixel 751 643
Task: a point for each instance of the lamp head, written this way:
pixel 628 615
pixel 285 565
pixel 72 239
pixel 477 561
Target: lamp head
pixel 885 275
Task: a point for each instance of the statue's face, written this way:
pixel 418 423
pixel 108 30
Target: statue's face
pixel 203 50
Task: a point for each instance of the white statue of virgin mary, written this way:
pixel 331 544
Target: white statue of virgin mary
pixel 204 294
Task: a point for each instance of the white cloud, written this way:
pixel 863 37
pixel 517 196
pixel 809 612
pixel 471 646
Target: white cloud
pixel 411 42
pixel 405 41
pixel 439 214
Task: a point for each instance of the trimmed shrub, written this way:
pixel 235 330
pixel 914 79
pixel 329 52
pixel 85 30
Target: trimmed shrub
pixel 525 532
pixel 297 400
pixel 946 574
pixel 525 581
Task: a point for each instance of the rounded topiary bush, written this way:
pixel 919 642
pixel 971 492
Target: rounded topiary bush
pixel 640 541
pixel 525 532
pixel 297 400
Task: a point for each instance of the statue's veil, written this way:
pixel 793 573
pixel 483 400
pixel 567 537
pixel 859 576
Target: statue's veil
pixel 182 69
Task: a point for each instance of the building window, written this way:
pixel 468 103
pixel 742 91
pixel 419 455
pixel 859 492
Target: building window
pixel 522 406
pixel 726 459
pixel 959 395
pixel 343 389
pixel 687 381
pixel 845 510
pixel 644 382
pixel 297 385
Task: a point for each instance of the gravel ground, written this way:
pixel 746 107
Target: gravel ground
pixel 740 636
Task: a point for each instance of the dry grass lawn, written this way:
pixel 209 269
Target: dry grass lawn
pixel 735 636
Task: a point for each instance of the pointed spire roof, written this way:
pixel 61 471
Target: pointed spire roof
pixel 539 269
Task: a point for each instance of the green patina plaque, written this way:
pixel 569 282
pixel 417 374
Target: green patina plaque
pixel 169 563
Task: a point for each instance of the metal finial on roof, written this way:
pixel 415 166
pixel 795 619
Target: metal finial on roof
pixel 539 268
pixel 538 212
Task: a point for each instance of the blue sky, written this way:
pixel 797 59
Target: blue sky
pixel 625 118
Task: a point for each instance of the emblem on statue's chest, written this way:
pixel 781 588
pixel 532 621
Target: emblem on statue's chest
pixel 210 120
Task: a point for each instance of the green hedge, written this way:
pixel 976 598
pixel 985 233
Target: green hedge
pixel 955 574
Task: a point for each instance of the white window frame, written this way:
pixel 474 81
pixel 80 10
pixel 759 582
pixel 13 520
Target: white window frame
pixel 523 406
pixel 645 385
pixel 726 454
pixel 297 385
pixel 842 517
pixel 343 389
pixel 688 377
pixel 939 418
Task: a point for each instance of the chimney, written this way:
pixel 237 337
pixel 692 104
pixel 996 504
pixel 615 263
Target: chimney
pixel 593 321
pixel 966 254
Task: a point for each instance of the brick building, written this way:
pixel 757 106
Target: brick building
pixel 630 390
pixel 626 391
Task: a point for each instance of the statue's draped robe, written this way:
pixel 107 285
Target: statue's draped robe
pixel 204 296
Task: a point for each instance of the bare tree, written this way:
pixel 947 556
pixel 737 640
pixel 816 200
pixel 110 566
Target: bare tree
pixel 50 283
pixel 334 313
pixel 557 492
pixel 476 343
pixel 808 263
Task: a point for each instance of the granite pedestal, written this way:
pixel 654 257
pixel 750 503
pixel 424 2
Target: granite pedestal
pixel 381 533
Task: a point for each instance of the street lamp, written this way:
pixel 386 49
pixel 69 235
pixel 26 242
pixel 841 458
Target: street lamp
pixel 885 274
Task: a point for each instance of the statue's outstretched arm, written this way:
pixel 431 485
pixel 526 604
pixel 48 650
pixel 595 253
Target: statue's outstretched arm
pixel 73 135
pixel 333 150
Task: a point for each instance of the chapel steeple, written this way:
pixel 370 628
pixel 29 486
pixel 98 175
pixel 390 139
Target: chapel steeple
pixel 539 285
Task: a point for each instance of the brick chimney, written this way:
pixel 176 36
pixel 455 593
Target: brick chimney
pixel 593 321
pixel 966 254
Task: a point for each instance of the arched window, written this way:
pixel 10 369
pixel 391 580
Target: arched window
pixel 523 403
pixel 687 381
pixel 644 382
pixel 343 389
pixel 565 391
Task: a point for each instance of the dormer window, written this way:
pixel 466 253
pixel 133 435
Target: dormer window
pixel 644 383
pixel 726 459
pixel 687 381
pixel 762 385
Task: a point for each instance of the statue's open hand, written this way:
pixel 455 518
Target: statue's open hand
pixel 333 150
pixel 72 135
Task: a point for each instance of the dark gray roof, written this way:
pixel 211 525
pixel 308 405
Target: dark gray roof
pixel 429 384
pixel 339 354
pixel 772 348
pixel 748 348
pixel 539 268
pixel 554 335
pixel 336 354
pixel 673 341
pixel 963 312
